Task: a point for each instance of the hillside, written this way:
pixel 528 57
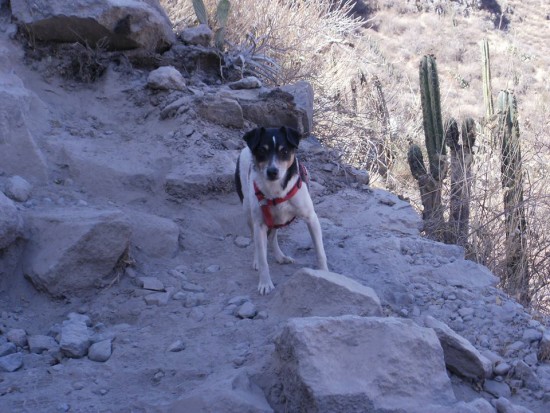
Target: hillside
pixel 125 262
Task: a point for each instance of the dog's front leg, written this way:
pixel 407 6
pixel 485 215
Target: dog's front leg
pixel 279 256
pixel 317 236
pixel 260 253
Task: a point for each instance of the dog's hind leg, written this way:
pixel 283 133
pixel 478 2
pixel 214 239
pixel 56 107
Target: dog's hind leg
pixel 279 256
pixel 317 236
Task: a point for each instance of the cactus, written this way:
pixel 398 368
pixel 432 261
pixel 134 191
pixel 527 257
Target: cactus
pixel 516 279
pixel 431 113
pixel 430 184
pixel 222 14
pixel 461 178
pixel 486 76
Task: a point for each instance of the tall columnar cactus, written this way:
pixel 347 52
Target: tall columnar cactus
pixel 486 77
pixel 431 114
pixel 517 275
pixel 222 14
pixel 430 183
pixel 461 178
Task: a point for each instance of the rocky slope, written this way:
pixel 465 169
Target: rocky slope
pixel 126 281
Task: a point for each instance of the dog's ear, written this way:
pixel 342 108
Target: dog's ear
pixel 292 136
pixel 252 138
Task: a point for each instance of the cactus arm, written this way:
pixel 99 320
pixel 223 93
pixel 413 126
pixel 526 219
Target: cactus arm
pixel 200 11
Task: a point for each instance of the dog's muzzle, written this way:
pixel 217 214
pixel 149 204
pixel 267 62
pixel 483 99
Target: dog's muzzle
pixel 272 173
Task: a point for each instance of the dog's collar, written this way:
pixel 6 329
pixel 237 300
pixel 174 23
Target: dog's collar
pixel 267 203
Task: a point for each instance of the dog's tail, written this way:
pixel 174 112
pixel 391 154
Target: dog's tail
pixel 238 185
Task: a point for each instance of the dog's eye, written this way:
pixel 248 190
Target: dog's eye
pixel 284 151
pixel 261 154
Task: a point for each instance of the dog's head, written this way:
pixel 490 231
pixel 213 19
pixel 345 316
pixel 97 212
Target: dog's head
pixel 273 150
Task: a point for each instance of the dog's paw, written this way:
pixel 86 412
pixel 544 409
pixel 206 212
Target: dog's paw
pixel 284 259
pixel 265 288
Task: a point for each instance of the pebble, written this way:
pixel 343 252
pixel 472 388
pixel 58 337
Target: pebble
pixel 242 242
pixel 176 346
pixel 213 268
pixel 191 287
pixel 501 369
pixel 40 343
pixel 17 336
pixel 150 283
pixel 239 299
pixel 159 298
pixel 100 351
pixel 18 189
pixel 11 362
pixel 247 310
pixel 196 314
pixel 7 348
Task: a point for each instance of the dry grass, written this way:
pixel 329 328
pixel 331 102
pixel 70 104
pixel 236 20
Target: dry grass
pixel 344 58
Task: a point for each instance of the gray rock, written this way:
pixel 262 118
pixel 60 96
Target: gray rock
pixel 531 334
pixel 525 373
pixel 40 343
pixel 501 369
pixel 250 82
pixel 100 351
pixel 73 249
pixel 150 283
pixel 18 189
pixel 247 310
pixel 335 364
pixel 222 111
pixel 200 35
pixel 17 336
pixel 11 362
pixel 242 242
pixel 503 405
pixel 238 300
pixel 129 25
pixel 166 78
pixel 11 222
pixel 196 314
pixel 191 299
pixel 75 338
pixel 460 355
pixel 160 299
pixel 7 348
pixel 330 288
pixel 176 346
pixel 303 95
pixel 191 287
pixel 154 236
pixel 496 388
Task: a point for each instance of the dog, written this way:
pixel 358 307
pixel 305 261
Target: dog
pixel 273 189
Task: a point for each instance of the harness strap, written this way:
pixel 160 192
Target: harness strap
pixel 267 203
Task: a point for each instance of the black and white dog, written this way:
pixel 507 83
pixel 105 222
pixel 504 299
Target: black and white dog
pixel 273 188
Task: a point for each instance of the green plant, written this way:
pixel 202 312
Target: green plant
pixel 430 182
pixel 222 13
pixel 516 278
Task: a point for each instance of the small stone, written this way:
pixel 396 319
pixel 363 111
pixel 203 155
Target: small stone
pixel 78 385
pixel 196 314
pixel 100 351
pixel 150 283
pixel 18 189
pixel 262 315
pixel 11 362
pixel 501 369
pixel 239 299
pixel 247 310
pixel 250 82
pixel 17 336
pixel 531 359
pixel 531 335
pixel 176 346
pixel 191 287
pixel 7 348
pixel 213 268
pixel 497 389
pixel 194 300
pixel 465 312
pixel 242 242
pixel 75 338
pixel 159 299
pixel 525 373
pixel 39 343
pixel 166 78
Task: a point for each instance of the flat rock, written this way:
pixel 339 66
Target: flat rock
pixel 152 235
pixel 352 363
pixel 7 348
pixel 249 82
pixel 150 283
pixel 222 111
pixel 17 336
pixel 461 356
pixel 497 388
pixel 73 249
pixel 322 293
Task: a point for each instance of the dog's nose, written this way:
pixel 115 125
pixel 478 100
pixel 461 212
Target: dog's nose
pixel 272 173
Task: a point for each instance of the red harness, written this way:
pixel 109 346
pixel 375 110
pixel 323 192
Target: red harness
pixel 266 203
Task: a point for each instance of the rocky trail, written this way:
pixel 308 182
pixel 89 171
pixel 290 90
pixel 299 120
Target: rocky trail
pixel 126 282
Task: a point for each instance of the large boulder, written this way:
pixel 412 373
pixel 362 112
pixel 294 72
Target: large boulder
pixel 72 250
pixel 322 293
pixel 11 222
pixel 152 235
pixel 122 24
pixel 355 364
